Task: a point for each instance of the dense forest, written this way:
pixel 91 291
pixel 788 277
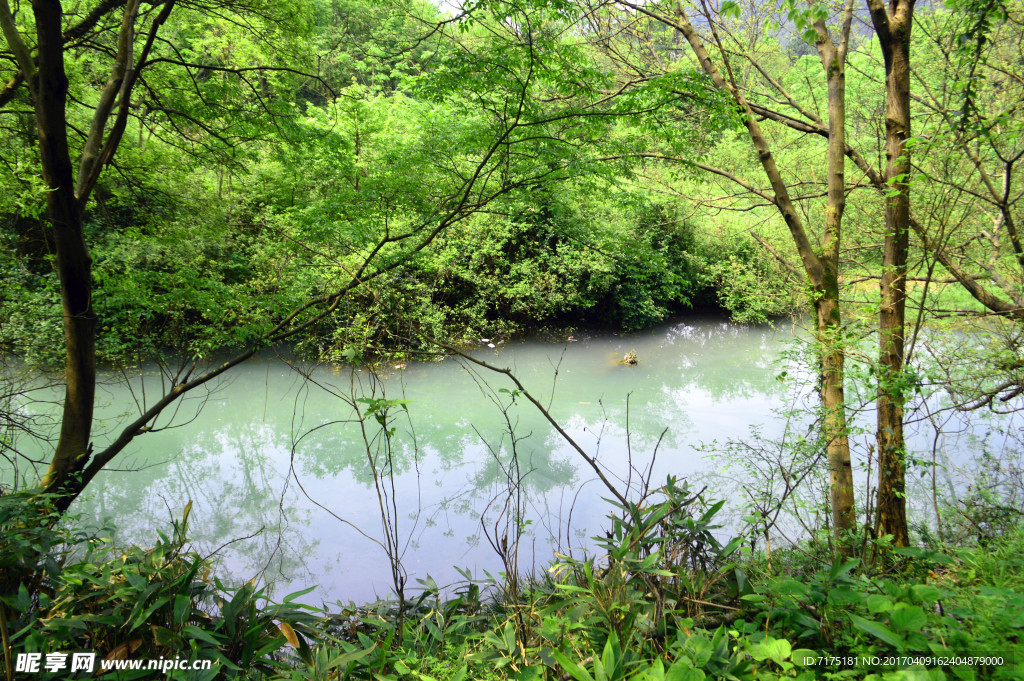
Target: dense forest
pixel 189 184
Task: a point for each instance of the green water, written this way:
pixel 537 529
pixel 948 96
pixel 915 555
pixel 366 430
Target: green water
pixel 246 452
pixel 282 487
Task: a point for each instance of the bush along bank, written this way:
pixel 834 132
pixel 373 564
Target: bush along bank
pixel 167 284
pixel 665 600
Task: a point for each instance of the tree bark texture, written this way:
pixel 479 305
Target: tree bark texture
pixel 829 320
pixel 49 88
pixel 835 429
pixel 893 27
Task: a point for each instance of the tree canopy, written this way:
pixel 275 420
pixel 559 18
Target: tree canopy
pixel 196 181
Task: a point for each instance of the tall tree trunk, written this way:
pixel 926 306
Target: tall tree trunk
pixel 829 321
pixel 893 26
pixel 821 268
pixel 49 88
pixel 833 401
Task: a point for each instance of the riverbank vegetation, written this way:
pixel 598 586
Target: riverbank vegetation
pixel 663 599
pixel 190 183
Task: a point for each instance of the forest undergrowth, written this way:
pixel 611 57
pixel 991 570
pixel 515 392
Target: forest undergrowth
pixel 662 597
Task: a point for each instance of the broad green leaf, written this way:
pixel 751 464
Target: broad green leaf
pixel 910 618
pixel 924 593
pixel 879 603
pixel 804 657
pixel 780 649
pixel 680 672
pixel 878 630
pixel 791 587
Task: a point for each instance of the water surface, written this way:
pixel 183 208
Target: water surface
pixel 277 468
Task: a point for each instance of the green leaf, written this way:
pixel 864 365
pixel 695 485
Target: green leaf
pixel 840 570
pixel 772 649
pixel 804 657
pixel 572 668
pixel 136 580
pixel 780 649
pixel 924 593
pixel 910 618
pixel 742 585
pixel 879 603
pixel 141 619
pixel 434 631
pixel 197 633
pixel 730 9
pixel 656 672
pixel 963 672
pixel 701 649
pixel 680 672
pixel 878 630
pixel 292 596
pixel 909 551
pixel 791 587
pixel 23 602
pixel 510 637
pixel 165 637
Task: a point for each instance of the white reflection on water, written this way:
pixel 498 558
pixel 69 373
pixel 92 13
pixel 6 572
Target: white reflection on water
pixel 698 381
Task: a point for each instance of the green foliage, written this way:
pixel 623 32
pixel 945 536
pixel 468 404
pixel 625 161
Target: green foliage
pixel 218 222
pixel 919 610
pixel 477 177
pixel 666 600
pixel 561 259
pixel 31 552
pixel 134 603
pixel 752 287
pixel 616 618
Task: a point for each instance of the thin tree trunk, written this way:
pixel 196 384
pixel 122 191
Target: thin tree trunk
pixel 893 26
pixel 821 268
pixel 829 320
pixel 833 402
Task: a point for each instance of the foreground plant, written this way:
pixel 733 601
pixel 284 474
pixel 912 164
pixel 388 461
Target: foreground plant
pixel 65 591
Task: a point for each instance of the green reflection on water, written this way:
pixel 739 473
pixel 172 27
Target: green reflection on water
pixel 700 379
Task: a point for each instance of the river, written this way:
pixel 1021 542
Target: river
pixel 282 488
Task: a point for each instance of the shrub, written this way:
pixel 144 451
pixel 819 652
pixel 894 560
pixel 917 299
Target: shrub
pixel 65 591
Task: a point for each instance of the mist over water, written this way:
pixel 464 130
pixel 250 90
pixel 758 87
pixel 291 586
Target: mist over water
pixel 276 465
